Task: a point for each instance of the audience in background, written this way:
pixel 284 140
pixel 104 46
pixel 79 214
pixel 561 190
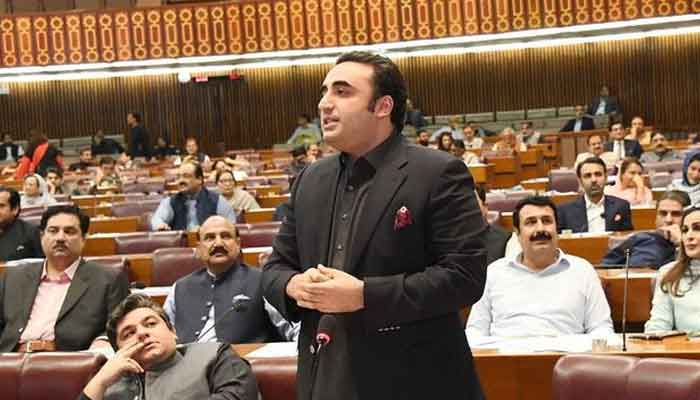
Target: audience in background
pixel 604 104
pixel 423 138
pixel 18 239
pixel 163 149
pixel 479 130
pixel 596 149
pixel 444 141
pixel 305 132
pixel 495 237
pixel 542 291
pixel 676 304
pixel 192 154
pixel 508 142
pixel 240 199
pixel 299 161
pixel 139 138
pixel 63 302
pixel 190 207
pixel 660 151
pixel 527 135
pixel 654 248
pixel 107 177
pixel 630 184
pixel 84 162
pixel 580 123
pixel 637 131
pixel 54 181
pixel 40 155
pixel 36 192
pixel 10 151
pixel 690 183
pixel 102 145
pixel 458 150
pixel 593 211
pixel 83 187
pixel 621 147
pixel 313 152
pixel 414 116
pixel 471 141
pixel 454 128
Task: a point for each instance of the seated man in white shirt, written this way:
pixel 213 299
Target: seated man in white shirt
pixel 542 291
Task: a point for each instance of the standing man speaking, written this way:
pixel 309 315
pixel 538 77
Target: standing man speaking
pixel 385 237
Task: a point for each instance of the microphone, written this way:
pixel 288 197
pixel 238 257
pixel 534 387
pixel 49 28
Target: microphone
pixel 240 304
pixel 624 298
pixel 324 335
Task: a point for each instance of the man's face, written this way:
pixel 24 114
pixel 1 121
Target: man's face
pixel 62 237
pixel 580 112
pixel 313 151
pixel 595 145
pixel 592 179
pixel 7 139
pixel 218 244
pixel 468 132
pixel 525 127
pixel 302 121
pixel 457 151
pixel 53 179
pixel 146 326
pixel 107 168
pixel 7 213
pixel 191 147
pixel 99 136
pixel 226 183
pixel 538 229
pixel 508 137
pixel 617 132
pixel 637 123
pixel 660 143
pixel 347 122
pixel 690 234
pixel 31 187
pixel 86 156
pixel 130 120
pixel 189 182
pixel 424 138
pixel 604 91
pixel 693 172
pixel 669 212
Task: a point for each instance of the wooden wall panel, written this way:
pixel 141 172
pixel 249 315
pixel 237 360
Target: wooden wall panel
pixel 655 77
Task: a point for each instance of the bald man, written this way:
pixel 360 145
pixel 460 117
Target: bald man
pixel 224 283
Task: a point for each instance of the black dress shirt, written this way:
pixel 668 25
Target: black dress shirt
pixel 20 240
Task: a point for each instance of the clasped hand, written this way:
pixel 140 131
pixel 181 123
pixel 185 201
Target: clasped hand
pixel 327 290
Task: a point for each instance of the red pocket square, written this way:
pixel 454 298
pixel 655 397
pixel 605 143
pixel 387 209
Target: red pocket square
pixel 403 218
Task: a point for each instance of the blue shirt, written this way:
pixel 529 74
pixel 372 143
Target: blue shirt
pixel 164 213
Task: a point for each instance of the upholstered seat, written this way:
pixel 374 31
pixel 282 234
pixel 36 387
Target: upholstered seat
pixel 172 264
pixel 147 242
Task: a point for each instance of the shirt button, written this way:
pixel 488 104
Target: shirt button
pixel 196 333
pixel 20 330
pixel 344 217
pixel 339 247
pixel 204 318
pixel 351 188
pixel 209 303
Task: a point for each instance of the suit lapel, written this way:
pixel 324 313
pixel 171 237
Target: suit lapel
pixel 609 213
pixel 581 204
pixel 387 181
pixel 323 203
pixel 77 288
pixel 31 278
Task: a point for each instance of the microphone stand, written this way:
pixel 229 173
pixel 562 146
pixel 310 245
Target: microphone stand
pixel 624 299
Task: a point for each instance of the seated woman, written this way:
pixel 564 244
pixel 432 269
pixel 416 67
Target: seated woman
pixel 40 155
pixel 508 142
pixel 690 183
pixel 36 192
pixel 676 304
pixel 240 199
pixel 630 184
pixel 444 141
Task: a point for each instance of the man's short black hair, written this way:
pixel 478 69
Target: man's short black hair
pixel 129 304
pixel 14 197
pixel 66 209
pixel 459 143
pixel 198 171
pixel 136 116
pixel 107 160
pixel 387 81
pixel 538 201
pixel 679 196
pixel 306 116
pixel 590 160
pixel 658 133
pixel 598 135
pixel 54 170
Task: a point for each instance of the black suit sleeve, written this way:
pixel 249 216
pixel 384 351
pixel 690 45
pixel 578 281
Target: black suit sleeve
pixel 568 127
pixel 626 223
pixel 456 278
pixel 230 377
pixel 118 290
pixel 2 302
pixel 562 223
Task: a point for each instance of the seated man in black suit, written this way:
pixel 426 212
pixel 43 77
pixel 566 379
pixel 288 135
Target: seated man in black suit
pixel 604 104
pixel 620 146
pixel 580 123
pixel 594 212
pixel 495 237
pixel 62 303
pixel 18 238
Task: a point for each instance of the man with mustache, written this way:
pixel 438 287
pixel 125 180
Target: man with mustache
pixel 660 151
pixel 189 208
pixel 62 303
pixel 204 296
pixel 542 291
pixel 593 211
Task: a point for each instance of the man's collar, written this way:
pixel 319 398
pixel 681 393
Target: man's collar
pixel 375 156
pixel 560 260
pixel 590 203
pixel 70 271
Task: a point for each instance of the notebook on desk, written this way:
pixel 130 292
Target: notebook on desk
pixel 660 335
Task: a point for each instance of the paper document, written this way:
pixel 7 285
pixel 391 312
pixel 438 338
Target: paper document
pixel 272 350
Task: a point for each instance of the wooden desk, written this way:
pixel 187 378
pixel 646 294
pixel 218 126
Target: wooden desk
pixel 506 171
pixel 573 143
pixel 531 164
pixel 482 173
pixel 114 225
pixel 272 201
pixel 259 215
pixel 528 376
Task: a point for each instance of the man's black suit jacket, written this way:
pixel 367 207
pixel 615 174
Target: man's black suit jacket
pixel 632 148
pixel 408 342
pixel 92 295
pixel 586 125
pixel 572 215
pixel 611 105
pixel 496 240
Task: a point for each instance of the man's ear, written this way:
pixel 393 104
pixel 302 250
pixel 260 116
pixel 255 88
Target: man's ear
pixel 383 106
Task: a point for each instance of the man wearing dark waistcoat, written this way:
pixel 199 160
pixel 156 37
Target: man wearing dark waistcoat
pixel 10 151
pixel 385 237
pixel 204 296
pixel 190 207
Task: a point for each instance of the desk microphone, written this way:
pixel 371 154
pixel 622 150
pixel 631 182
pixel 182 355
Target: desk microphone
pixel 240 304
pixel 324 335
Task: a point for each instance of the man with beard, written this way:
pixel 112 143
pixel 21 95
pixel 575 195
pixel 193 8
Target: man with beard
pixel 204 296
pixel 18 239
pixel 542 291
pixel 423 138
pixel 593 211
pixel 661 152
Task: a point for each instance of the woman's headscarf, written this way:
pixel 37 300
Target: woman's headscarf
pixel 45 198
pixel 690 156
